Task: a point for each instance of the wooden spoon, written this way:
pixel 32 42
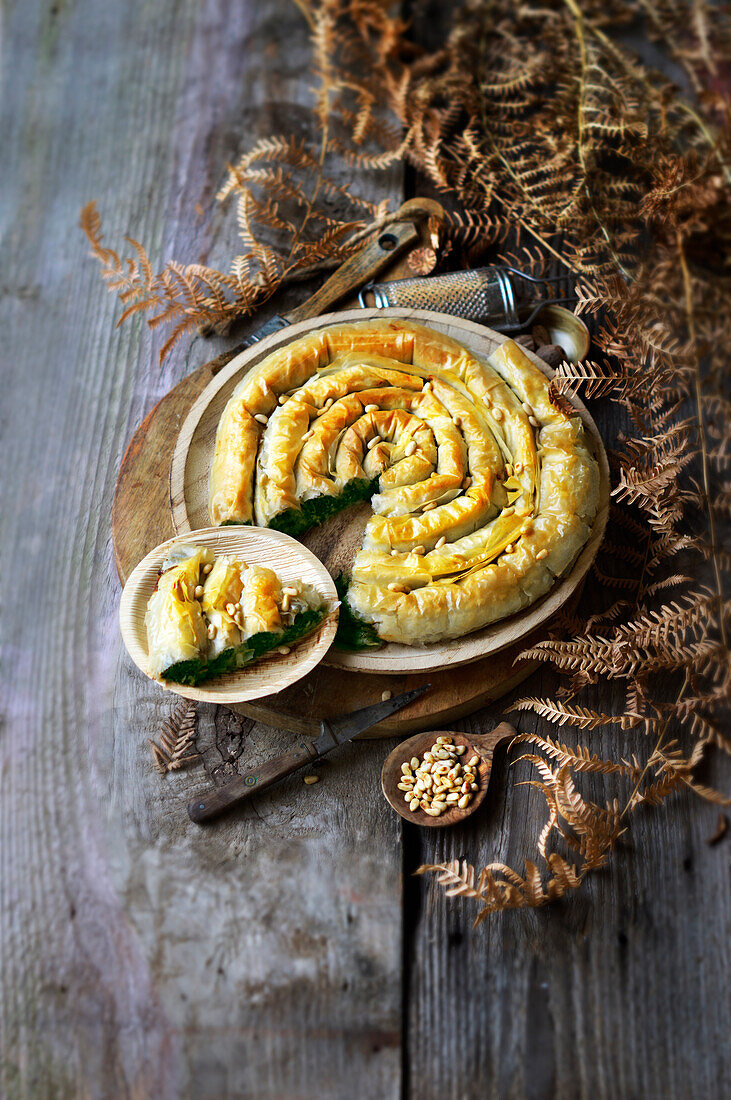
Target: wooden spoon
pixel 483 745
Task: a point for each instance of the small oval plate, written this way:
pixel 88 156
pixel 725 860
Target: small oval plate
pixel 259 546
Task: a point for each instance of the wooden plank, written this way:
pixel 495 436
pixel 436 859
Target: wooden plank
pixel 142 956
pixel 617 991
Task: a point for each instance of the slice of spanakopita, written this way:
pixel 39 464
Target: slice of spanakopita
pixel 209 616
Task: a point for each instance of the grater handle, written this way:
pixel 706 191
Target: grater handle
pixel 485 294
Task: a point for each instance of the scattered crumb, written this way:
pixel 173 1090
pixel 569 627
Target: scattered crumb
pixel 385 696
pixel 310 779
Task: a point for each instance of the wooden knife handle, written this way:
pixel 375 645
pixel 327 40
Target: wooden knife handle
pixel 251 782
pixel 358 270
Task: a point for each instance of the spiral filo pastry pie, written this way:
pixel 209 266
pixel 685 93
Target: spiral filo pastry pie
pixel 483 491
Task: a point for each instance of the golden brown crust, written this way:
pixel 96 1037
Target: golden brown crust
pixel 487 490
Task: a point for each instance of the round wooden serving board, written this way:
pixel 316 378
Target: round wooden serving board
pixel 141 519
pixel 336 542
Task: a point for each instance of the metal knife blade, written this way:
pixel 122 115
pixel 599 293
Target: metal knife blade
pixel 351 726
pixel 305 752
pixel 373 258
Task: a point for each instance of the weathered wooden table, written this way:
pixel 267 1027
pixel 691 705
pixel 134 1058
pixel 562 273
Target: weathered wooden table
pixel 288 951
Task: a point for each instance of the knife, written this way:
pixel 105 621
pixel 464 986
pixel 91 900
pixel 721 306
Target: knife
pixel 332 734
pixel 350 276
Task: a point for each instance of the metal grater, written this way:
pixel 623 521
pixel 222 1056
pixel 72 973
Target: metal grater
pixel 490 295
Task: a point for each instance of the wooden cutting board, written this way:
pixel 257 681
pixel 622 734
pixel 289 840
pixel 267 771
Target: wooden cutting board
pixel 141 519
pixel 336 542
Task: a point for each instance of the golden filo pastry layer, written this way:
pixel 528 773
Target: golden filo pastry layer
pixel 484 490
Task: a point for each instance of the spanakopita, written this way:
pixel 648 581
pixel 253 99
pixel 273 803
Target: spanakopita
pixel 483 490
pixel 209 616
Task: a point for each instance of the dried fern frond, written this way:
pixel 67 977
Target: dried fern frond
pixel 176 747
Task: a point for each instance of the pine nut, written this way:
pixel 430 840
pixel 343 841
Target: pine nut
pixel 463 801
pixel 509 548
pixel 432 812
pixel 414 804
pixel 527 408
pixel 428 507
pixel 452 798
pixel 459 749
pixel 406 767
pixel 282 398
pixel 310 779
pixel 385 696
pixel 207 568
pixel 466 483
pixel 533 422
pixel 403 787
pixel 440 542
pixel 261 418
pixel 541 554
pixel 212 631
pixel 307 435
pixel 231 610
pixel 508 511
pixel 285 603
pixel 373 442
pixel 419 550
pixel 473 760
pixel 198 592
pixel 370 408
pixel 410 448
pixel 497 414
pixel 444 740
pixel 414 761
pixel 284 650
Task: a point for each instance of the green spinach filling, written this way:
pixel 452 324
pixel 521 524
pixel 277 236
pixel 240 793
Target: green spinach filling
pixel 295 521
pixel 200 669
pixel 353 632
